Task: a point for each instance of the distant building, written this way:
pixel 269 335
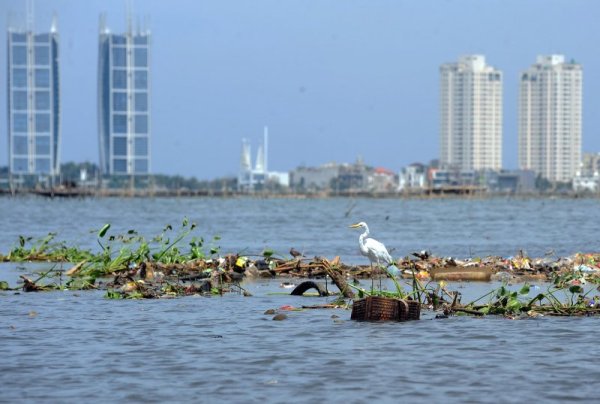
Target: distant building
pixel 352 177
pixel 550 118
pixel 413 177
pixel 587 177
pixel 345 177
pixel 257 177
pixel 124 95
pixel 441 177
pixel 509 181
pixel 382 180
pixel 471 114
pixel 314 178
pixel 33 101
pixel 590 165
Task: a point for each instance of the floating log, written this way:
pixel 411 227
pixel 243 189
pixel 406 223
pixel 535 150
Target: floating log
pixel 338 278
pixel 478 274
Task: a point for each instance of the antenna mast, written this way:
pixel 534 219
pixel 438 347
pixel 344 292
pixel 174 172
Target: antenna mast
pixel 30 15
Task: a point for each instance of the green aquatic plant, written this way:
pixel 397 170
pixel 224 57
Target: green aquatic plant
pixel 568 294
pixel 121 252
pixel 44 249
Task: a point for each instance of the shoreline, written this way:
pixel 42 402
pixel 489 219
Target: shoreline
pixel 186 193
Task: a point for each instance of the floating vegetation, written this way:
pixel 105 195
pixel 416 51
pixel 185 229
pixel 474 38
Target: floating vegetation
pixel 44 249
pixel 176 262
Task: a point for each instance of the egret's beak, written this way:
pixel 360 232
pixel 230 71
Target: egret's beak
pixel 354 226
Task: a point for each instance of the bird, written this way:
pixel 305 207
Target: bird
pixel 372 249
pixel 295 253
pixel 424 254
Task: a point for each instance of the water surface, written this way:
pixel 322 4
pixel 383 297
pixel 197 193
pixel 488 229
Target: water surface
pixel 79 346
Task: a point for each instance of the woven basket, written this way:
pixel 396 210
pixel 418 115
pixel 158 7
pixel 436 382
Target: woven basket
pixel 414 310
pixel 376 308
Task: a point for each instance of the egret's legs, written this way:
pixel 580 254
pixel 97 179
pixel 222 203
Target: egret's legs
pixel 372 279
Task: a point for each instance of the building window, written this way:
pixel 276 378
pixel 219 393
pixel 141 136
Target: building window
pixel 42 122
pixel 141 166
pixel 141 57
pixel 19 77
pixel 140 40
pixel 42 38
pixel 20 165
pixel 141 102
pixel 119 79
pixel 20 100
pixel 119 40
pixel 42 145
pixel 120 166
pixel 141 124
pixel 119 57
pixel 19 55
pixel 119 123
pixel 42 165
pixel 42 78
pixel 119 146
pixel 141 80
pixel 19 122
pixel 41 55
pixel 141 146
pixel 19 37
pixel 120 101
pixel 20 145
pixel 42 100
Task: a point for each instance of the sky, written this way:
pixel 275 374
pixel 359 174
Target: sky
pixel 333 80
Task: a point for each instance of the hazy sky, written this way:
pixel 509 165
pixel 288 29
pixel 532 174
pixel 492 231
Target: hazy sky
pixel 332 79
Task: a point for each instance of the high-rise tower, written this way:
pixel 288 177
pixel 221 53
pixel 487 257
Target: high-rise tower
pixel 550 118
pixel 33 100
pixel 470 114
pixel 124 101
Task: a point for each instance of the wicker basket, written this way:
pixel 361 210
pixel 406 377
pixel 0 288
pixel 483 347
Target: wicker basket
pixel 376 308
pixel 414 310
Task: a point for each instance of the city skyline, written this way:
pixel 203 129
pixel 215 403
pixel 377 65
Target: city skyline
pixel 328 91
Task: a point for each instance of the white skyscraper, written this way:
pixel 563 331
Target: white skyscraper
pixel 471 114
pixel 550 118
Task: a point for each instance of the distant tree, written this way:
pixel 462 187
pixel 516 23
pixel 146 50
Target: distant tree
pixel 542 184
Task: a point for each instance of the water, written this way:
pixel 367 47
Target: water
pixel 459 228
pixel 74 346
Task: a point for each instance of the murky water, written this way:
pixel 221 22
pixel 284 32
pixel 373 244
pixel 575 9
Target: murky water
pixel 459 228
pixel 78 346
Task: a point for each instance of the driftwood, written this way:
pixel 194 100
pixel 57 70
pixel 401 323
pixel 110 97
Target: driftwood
pixel 338 278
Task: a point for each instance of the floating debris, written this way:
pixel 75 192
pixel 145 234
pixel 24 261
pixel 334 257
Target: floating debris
pixel 129 266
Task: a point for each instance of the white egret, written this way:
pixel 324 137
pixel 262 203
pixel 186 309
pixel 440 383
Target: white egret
pixel 373 249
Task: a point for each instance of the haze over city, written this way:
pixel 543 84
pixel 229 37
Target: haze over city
pixel 333 81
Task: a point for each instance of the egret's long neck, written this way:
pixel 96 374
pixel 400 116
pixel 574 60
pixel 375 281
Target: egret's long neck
pixel 361 240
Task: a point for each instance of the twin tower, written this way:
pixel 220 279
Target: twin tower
pixel 123 101
pixel 550 99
